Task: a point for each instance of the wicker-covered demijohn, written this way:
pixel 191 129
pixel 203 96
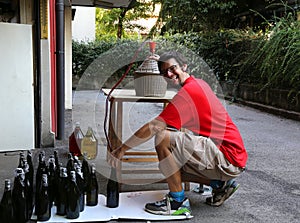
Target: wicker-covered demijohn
pixel 147 79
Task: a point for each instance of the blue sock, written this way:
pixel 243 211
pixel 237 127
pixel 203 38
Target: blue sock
pixel 177 196
pixel 216 184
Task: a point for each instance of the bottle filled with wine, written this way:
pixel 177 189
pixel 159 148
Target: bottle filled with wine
pixel 92 189
pixel 6 206
pixel 85 168
pixel 112 189
pixel 43 203
pixel 70 164
pixel 19 197
pixel 30 177
pixel 30 167
pixel 61 198
pixel 21 159
pixel 80 184
pixel 58 165
pixel 51 179
pixel 73 195
pixel 28 189
pixel 41 169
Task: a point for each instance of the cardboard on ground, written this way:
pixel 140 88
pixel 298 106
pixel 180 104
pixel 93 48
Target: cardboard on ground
pixel 131 206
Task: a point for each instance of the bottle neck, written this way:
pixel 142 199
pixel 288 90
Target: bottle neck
pixel 7 185
pixel 113 174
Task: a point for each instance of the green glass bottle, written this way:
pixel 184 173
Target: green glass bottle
pixel 30 176
pixel 61 198
pixel 85 168
pixel 6 207
pixel 43 203
pixel 19 197
pixel 73 195
pixel 70 164
pixel 30 166
pixel 21 159
pixel 51 179
pixel 56 175
pixel 92 191
pixel 112 189
pixel 28 189
pixel 41 169
pixel 80 184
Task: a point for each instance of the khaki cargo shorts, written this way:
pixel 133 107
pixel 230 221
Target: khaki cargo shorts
pixel 199 156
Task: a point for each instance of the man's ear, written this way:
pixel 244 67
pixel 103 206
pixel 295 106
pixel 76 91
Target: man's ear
pixel 184 67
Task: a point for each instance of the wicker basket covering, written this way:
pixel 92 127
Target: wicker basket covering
pixel 150 85
pixel 148 81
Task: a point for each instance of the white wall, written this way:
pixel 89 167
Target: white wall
pixel 16 87
pixel 83 25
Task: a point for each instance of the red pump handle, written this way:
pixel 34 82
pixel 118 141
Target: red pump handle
pixel 152 46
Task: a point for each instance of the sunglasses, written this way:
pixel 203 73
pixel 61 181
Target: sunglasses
pixel 169 69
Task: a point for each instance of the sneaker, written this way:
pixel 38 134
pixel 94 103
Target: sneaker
pixel 222 194
pixel 168 206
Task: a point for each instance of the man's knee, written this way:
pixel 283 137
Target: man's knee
pixel 162 139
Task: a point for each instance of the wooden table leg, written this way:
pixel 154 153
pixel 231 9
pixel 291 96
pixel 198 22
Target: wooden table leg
pixel 115 131
pixel 119 124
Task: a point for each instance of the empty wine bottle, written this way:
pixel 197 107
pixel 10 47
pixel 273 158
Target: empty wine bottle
pixel 73 194
pixel 43 203
pixel 61 198
pixel 19 197
pixel 112 189
pixel 75 140
pixel 92 190
pixel 6 207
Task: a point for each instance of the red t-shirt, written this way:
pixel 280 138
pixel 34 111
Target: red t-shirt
pixel 197 108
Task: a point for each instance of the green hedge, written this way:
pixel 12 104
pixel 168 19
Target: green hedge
pixel 237 56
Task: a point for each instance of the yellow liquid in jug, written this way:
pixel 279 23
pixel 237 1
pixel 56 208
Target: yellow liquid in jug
pixel 89 146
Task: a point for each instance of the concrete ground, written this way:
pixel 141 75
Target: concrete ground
pixel 270 188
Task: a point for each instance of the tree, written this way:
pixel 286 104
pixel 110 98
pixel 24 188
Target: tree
pixel 193 15
pixel 114 22
pixel 179 16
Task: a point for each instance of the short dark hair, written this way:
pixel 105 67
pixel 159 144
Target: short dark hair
pixel 171 54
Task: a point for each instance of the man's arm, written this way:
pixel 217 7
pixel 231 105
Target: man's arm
pixel 142 135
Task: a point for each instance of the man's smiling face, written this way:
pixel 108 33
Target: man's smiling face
pixel 172 70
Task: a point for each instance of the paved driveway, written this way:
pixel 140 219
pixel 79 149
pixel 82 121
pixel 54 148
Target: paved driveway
pixel 270 188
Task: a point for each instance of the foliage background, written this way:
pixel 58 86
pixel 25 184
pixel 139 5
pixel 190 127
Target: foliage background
pixel 266 56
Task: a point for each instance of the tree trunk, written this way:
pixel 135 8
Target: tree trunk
pixel 120 23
